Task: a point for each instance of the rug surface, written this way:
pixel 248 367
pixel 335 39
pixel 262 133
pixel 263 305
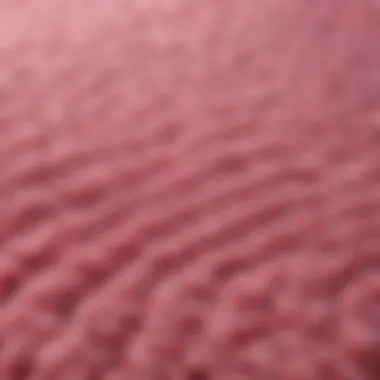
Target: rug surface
pixel 189 190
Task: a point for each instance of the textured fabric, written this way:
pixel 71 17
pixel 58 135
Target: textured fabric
pixel 189 190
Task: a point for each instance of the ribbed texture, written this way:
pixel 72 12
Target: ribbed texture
pixel 189 190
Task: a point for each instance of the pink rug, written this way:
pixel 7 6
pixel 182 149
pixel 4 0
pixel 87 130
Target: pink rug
pixel 189 190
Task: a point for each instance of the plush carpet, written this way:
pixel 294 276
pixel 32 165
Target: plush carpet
pixel 189 190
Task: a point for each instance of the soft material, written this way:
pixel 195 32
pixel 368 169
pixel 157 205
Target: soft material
pixel 189 190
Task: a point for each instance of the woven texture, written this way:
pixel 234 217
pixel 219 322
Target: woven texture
pixel 189 190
